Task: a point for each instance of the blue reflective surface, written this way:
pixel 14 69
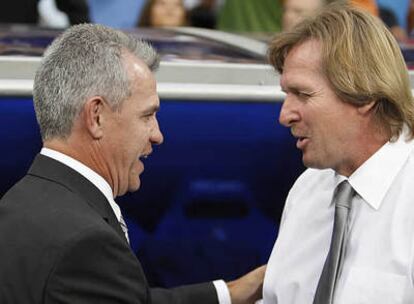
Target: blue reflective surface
pixel 211 195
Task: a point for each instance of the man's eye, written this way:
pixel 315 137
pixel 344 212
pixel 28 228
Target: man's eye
pixel 148 116
pixel 303 95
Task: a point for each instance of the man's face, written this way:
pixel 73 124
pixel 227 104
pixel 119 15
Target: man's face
pixel 294 11
pixel 326 128
pixel 132 129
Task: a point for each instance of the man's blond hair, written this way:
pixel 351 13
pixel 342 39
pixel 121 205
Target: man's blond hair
pixel 361 60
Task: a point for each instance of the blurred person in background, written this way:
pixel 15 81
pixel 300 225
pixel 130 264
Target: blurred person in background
pixel 50 16
pixel 368 5
pixel 163 13
pixel 385 14
pixel 26 11
pixel 294 11
pixel 394 13
pixel 410 18
pixel 204 14
pixel 388 17
pixel 261 16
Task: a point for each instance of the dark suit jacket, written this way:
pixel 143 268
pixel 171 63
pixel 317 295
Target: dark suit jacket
pixel 60 242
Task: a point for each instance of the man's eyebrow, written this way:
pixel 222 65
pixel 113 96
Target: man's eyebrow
pixel 152 109
pixel 296 88
pixel 290 88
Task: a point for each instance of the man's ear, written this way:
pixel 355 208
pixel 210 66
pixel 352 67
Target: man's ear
pixel 366 109
pixel 93 112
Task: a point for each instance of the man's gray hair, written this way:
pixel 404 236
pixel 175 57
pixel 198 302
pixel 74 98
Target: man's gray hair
pixel 85 61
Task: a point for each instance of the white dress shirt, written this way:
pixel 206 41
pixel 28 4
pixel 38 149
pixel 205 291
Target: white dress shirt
pixel 379 253
pixel 221 287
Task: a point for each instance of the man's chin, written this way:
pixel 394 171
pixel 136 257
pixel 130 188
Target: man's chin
pixel 135 185
pixel 309 162
pixel 314 164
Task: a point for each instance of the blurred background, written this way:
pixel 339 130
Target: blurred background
pixel 212 194
pixel 258 16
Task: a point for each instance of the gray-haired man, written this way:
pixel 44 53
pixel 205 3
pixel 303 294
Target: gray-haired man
pixel 62 236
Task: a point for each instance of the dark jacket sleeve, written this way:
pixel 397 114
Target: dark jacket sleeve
pixel 96 267
pixel 77 10
pixel 204 293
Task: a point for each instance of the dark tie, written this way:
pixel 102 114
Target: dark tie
pixel 326 286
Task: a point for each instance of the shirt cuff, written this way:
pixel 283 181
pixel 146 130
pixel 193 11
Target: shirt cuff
pixel 223 292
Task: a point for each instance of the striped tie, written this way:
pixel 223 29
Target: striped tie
pixel 124 227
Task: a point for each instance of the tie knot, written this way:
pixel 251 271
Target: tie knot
pixel 344 195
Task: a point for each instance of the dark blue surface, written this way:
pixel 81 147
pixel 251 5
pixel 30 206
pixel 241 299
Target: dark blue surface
pixel 211 195
pixel 20 140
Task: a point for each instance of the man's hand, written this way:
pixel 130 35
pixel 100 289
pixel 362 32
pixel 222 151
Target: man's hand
pixel 248 288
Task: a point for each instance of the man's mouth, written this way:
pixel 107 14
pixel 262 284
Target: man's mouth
pixel 301 142
pixel 145 155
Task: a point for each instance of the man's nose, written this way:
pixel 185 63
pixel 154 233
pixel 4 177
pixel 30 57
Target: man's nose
pixel 157 137
pixel 289 113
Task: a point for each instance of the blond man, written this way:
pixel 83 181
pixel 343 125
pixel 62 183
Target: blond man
pixel 347 231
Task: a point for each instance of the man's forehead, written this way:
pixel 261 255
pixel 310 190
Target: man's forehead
pixel 139 67
pixel 135 64
pixel 306 52
pixel 302 65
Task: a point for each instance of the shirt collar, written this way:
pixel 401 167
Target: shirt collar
pixel 88 173
pixel 374 177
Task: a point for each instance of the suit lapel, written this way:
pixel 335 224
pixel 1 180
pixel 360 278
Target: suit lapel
pixel 48 168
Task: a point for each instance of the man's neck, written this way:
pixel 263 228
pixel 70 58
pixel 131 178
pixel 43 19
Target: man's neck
pixel 83 153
